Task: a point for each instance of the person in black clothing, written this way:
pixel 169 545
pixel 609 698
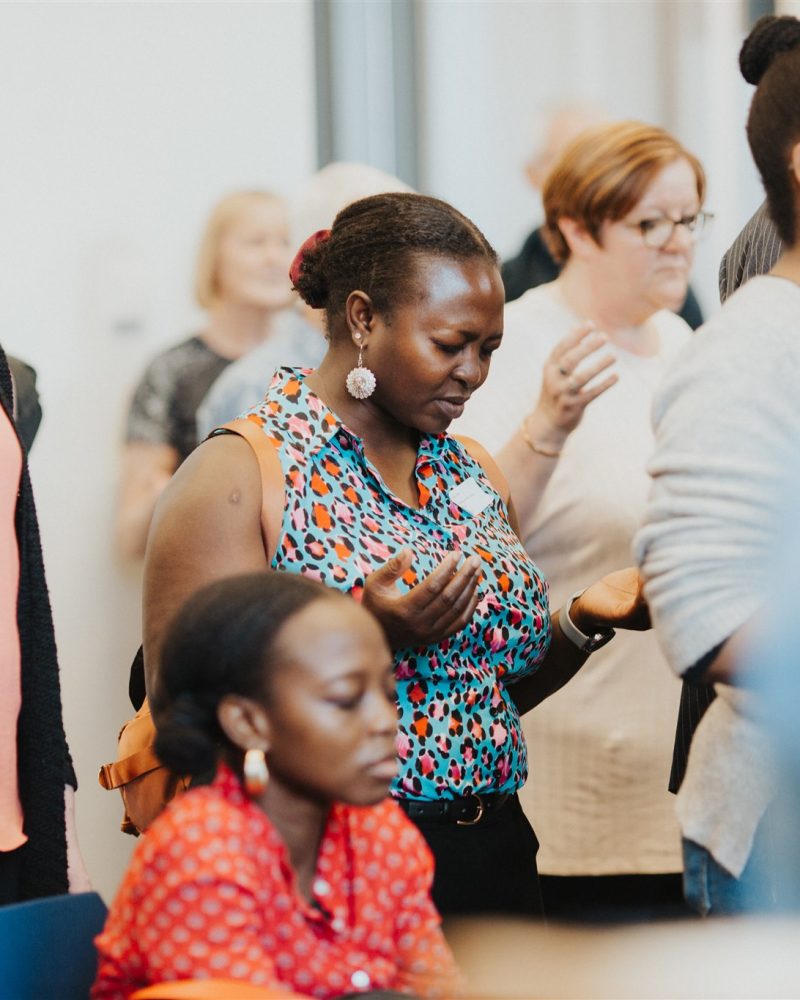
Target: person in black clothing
pixel 28 409
pixel 38 855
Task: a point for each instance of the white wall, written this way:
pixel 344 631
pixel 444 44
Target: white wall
pixel 491 68
pixel 121 124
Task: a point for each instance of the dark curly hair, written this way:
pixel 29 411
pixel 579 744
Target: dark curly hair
pixel 770 58
pixel 373 246
pixel 221 643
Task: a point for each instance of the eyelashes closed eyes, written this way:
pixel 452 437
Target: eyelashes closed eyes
pixel 454 349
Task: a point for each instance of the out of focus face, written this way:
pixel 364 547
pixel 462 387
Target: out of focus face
pixel 253 257
pixel 434 351
pixel 651 278
pixel 332 712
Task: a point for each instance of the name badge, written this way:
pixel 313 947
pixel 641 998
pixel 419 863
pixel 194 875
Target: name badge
pixel 469 496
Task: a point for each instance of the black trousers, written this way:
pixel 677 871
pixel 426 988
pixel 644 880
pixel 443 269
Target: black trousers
pixel 614 898
pixel 486 868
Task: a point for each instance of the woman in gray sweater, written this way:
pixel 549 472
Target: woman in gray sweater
pixel 727 420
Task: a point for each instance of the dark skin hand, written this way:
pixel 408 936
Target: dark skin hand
pixel 438 607
pixel 208 525
pixel 616 600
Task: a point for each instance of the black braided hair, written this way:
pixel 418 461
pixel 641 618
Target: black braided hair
pixel 770 58
pixel 373 246
pixel 769 37
pixel 222 642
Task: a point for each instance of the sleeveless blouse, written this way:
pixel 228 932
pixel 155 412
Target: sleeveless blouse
pixel 459 730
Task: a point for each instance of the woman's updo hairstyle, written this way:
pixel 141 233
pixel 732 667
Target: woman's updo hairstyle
pixel 373 246
pixel 770 58
pixel 221 643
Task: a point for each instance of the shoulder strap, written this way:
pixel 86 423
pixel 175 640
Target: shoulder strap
pixel 272 485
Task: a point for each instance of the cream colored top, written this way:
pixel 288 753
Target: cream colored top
pixel 11 835
pixel 600 749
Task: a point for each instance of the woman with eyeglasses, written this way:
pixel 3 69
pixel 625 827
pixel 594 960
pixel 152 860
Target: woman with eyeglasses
pixel 566 413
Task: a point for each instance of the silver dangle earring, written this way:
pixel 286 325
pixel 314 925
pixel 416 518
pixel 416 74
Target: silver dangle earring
pixel 256 773
pixel 360 381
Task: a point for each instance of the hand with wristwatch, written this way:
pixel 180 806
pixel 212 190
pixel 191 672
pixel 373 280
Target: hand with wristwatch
pixel 589 617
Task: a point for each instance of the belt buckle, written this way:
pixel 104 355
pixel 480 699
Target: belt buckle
pixel 478 815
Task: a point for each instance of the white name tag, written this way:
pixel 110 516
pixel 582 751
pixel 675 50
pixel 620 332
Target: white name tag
pixel 471 497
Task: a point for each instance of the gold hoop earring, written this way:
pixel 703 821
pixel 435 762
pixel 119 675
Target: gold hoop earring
pixel 256 773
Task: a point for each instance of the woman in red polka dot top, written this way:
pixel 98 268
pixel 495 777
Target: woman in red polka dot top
pixel 285 865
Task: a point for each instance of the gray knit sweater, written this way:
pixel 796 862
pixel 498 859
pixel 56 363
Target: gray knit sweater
pixel 727 423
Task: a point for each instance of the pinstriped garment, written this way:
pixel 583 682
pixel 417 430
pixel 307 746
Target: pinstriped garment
pixel 754 251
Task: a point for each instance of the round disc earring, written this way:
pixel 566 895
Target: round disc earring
pixel 360 381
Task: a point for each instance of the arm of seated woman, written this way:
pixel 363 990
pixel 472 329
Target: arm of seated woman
pixel 203 928
pixel 426 967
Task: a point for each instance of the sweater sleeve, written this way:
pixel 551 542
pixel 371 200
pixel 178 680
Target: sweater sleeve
pixel 725 419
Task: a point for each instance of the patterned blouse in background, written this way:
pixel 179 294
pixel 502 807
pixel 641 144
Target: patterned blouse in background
pixel 210 892
pixel 164 405
pixel 459 731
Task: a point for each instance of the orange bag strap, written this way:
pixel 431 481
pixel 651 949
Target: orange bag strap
pixel 141 733
pixel 120 772
pixel 272 487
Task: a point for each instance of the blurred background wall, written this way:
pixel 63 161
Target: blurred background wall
pixel 122 123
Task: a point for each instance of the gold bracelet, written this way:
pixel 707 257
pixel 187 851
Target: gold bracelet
pixel 546 452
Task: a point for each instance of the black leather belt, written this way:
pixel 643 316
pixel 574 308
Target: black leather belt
pixel 463 812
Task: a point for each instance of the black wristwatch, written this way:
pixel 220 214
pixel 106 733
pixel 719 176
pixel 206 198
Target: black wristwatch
pixel 585 643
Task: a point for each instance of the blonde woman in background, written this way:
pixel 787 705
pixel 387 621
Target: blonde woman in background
pixel 566 413
pixel 301 342
pixel 242 282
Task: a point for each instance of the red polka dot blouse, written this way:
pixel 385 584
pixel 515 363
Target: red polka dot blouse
pixel 210 892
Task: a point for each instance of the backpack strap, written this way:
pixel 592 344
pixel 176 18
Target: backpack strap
pixel 272 479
